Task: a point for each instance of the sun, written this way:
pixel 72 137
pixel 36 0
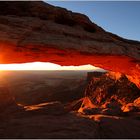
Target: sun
pixel 44 66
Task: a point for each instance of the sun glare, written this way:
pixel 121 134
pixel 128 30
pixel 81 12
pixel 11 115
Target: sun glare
pixel 44 66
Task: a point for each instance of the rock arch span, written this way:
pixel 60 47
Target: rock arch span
pixel 36 31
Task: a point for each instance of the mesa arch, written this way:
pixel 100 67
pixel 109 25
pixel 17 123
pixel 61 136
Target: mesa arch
pixel 35 31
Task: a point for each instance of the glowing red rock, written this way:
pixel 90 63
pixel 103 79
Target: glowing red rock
pixel 41 32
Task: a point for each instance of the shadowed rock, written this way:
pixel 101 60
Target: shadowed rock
pixel 111 127
pixel 7 101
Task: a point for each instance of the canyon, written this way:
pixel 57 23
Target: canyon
pixel 99 105
pixel 31 109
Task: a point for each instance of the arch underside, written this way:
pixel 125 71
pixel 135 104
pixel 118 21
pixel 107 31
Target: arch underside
pixel 41 32
pixel 67 57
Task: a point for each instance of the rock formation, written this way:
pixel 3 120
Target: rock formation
pixel 36 31
pixel 47 121
pixel 7 101
pixel 108 115
pixel 137 102
pixel 109 95
pixel 8 105
pixel 105 88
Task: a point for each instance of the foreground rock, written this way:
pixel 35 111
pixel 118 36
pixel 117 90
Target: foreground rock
pixel 50 122
pixel 7 101
pixel 137 102
pixel 117 127
pixel 5 98
pixel 110 94
pixel 112 108
pixel 107 88
pixel 130 107
pixel 50 108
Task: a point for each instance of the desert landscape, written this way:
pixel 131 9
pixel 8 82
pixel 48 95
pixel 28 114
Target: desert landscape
pixel 44 86
pixel 68 104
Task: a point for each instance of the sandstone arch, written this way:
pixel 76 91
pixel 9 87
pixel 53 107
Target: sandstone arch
pixel 36 31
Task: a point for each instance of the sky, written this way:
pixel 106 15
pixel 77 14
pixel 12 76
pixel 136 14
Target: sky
pixel 119 17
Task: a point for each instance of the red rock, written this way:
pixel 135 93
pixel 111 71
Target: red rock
pixel 91 111
pixel 107 92
pixel 35 31
pixel 137 102
pixel 130 107
pixel 112 107
pixel 111 104
pixel 112 112
pixel 50 108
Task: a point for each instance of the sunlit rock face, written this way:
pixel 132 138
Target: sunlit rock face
pixel 36 31
pixel 110 93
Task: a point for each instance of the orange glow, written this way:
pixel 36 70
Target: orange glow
pixel 114 75
pixel 10 53
pixel 86 104
pixel 44 66
pixel 35 107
